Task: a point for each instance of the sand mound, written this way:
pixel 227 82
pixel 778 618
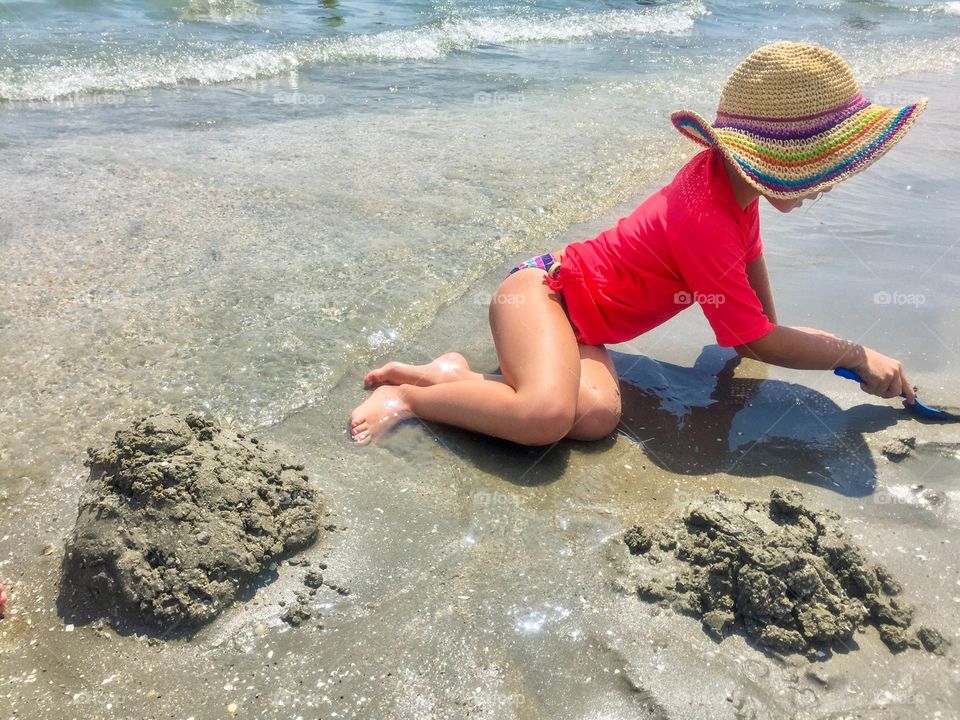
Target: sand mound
pixel 786 576
pixel 179 517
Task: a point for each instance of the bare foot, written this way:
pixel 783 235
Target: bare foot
pixel 3 600
pixel 446 368
pixel 384 408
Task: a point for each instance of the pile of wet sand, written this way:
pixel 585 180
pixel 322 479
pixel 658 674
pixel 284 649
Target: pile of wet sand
pixel 179 517
pixel 786 576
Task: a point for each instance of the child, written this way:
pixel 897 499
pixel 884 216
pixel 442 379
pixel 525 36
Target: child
pixel 791 123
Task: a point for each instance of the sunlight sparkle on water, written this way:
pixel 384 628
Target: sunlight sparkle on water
pixel 534 621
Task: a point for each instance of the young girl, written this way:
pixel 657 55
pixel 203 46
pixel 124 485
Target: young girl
pixel 791 123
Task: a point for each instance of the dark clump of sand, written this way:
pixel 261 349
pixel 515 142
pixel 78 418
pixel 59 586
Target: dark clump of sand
pixel 788 577
pixel 899 448
pixel 179 517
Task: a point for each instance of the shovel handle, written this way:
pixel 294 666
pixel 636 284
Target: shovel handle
pixel 851 375
pixel 848 374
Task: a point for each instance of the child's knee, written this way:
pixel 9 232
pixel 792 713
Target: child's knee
pixel 607 418
pixel 597 423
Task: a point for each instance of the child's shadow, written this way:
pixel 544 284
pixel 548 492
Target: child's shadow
pixel 703 420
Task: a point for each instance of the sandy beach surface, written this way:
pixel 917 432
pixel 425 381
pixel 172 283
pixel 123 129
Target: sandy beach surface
pixel 487 580
pixel 196 268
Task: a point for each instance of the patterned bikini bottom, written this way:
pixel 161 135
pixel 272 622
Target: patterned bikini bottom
pixel 547 263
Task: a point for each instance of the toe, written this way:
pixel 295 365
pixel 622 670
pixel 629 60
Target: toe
pixel 356 418
pixel 360 433
pixel 381 376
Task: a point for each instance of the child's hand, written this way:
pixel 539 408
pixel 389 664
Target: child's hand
pixel 883 376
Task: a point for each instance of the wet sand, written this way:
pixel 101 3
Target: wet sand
pixel 466 577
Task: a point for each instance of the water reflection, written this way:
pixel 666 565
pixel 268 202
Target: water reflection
pixel 332 19
pixel 218 10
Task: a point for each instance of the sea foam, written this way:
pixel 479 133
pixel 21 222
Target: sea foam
pixel 125 72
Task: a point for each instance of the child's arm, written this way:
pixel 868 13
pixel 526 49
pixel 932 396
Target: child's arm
pixel 809 349
pixel 760 282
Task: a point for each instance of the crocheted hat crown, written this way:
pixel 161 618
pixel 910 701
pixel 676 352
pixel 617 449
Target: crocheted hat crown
pixel 788 80
pixel 793 121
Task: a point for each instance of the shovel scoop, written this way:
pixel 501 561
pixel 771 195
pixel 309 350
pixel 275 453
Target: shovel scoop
pixel 917 408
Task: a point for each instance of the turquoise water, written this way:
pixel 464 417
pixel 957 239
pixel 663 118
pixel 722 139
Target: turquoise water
pixel 70 49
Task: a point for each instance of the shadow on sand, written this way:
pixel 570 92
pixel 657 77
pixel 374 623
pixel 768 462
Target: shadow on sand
pixel 702 420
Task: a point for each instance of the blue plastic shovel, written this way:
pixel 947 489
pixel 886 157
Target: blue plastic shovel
pixel 917 408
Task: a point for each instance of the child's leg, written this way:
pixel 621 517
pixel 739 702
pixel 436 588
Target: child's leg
pixel 598 402
pixel 446 368
pixel 536 401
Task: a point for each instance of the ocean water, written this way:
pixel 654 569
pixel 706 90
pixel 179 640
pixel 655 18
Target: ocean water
pixel 59 50
pixel 229 204
pixel 238 207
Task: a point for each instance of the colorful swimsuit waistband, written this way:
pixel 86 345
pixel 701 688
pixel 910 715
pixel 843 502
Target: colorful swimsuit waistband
pixel 545 262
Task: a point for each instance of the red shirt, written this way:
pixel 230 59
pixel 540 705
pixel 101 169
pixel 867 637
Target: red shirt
pixel 688 242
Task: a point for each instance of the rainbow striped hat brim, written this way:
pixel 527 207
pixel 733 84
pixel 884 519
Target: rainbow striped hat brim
pixel 793 121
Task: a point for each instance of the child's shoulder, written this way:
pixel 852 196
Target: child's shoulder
pixel 701 184
pixel 706 168
pixel 699 202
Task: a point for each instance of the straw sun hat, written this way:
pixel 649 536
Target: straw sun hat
pixel 793 121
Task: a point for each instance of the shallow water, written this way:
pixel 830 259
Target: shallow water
pixel 240 245
pixel 352 190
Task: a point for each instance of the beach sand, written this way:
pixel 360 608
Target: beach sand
pixel 472 578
